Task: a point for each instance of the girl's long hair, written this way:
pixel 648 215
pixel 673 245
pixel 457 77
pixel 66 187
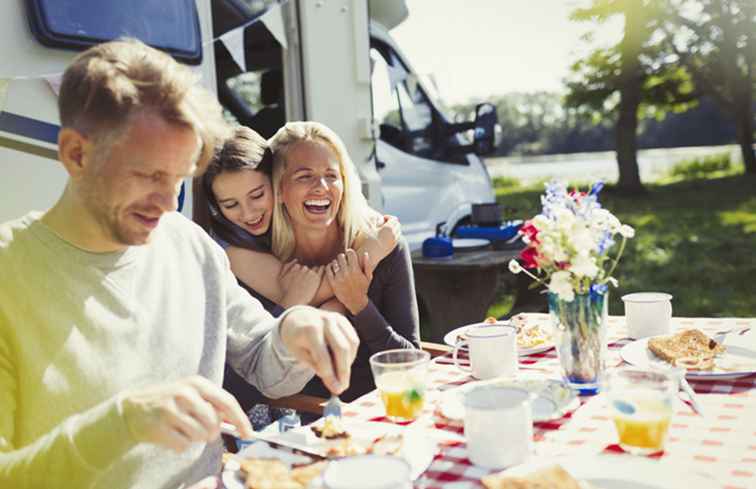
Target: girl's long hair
pixel 245 150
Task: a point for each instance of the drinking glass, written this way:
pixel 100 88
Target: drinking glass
pixel 641 403
pixel 400 376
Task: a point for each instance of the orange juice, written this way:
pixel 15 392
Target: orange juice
pixel 402 398
pixel 642 420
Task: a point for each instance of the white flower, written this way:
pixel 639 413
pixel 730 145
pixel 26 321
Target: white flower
pixel 551 249
pixel 584 266
pixel 560 285
pixel 581 238
pixel 514 266
pixel 540 222
pixel 626 231
pixel 564 218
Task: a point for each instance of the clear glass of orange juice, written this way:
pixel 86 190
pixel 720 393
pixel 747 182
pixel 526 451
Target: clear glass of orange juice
pixel 641 403
pixel 400 376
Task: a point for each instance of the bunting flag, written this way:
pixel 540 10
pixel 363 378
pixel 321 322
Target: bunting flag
pixel 54 82
pixel 3 92
pixel 273 20
pixel 234 42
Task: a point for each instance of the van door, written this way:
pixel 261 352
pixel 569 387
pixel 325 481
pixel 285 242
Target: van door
pixel 426 175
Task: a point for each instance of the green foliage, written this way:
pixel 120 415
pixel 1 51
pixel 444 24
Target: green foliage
pixel 702 167
pixel 596 79
pixel 505 182
pixel 694 239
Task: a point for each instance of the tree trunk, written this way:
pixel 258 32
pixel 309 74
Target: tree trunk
pixel 744 131
pixel 627 141
pixel 630 97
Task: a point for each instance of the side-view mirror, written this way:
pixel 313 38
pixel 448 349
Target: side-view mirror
pixel 485 130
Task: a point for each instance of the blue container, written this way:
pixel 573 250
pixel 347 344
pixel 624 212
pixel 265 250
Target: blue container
pixel 438 247
pixel 504 232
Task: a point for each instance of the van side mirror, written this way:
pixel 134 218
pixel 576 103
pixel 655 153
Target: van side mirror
pixel 484 133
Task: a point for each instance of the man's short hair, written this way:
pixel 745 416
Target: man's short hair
pixel 108 83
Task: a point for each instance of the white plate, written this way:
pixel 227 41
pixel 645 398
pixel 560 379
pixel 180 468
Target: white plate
pixel 621 472
pixel 419 447
pixel 554 397
pixel 740 353
pixel 452 336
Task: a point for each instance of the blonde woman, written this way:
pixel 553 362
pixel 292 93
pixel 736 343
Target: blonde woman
pixel 318 217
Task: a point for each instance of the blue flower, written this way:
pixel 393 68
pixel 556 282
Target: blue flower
pixel 596 188
pixel 598 290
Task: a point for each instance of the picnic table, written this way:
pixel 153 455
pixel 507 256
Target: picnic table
pixel 459 289
pixel 721 445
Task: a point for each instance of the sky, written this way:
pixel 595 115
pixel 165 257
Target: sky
pixel 478 48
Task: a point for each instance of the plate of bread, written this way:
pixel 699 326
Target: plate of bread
pixel 533 336
pixel 703 357
pixel 278 467
pixel 595 472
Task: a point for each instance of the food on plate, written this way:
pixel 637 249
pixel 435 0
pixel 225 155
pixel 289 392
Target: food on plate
pixel 532 337
pixel 332 429
pixel 306 473
pixel 345 447
pixel 689 348
pixel 263 473
pixel 387 445
pixel 550 477
pixel 383 445
pixel 527 336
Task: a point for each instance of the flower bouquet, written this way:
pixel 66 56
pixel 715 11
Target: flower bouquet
pixel 568 252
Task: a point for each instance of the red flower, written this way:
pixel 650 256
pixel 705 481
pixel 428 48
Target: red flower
pixel 530 232
pixel 528 256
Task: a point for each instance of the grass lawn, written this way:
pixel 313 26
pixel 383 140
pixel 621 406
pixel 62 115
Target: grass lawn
pixel 695 239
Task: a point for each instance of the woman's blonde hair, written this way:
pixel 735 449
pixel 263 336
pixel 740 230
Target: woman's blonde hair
pixel 354 213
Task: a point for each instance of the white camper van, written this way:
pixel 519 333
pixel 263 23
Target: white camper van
pixel 268 61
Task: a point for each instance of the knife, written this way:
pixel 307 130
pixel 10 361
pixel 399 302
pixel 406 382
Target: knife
pixel 231 430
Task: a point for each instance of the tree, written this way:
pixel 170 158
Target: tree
pixel 628 79
pixel 716 42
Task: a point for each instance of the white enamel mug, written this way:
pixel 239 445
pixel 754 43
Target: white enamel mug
pixel 492 349
pixel 648 314
pixel 498 426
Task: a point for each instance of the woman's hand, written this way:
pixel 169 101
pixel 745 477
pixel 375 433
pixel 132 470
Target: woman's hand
pixel 388 233
pixel 350 278
pixel 299 283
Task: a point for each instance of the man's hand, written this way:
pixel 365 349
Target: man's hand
pixel 177 414
pixel 323 340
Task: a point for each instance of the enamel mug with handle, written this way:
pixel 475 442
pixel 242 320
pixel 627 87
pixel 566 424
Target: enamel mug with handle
pixel 492 349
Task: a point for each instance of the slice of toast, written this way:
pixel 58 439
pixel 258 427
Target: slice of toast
pixel 550 477
pixel 688 348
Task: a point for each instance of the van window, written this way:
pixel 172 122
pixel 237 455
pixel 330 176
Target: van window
pixel 169 25
pixel 404 113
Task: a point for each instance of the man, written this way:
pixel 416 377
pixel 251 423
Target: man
pixel 117 313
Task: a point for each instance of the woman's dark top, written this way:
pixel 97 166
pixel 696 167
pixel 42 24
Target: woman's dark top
pixel 390 320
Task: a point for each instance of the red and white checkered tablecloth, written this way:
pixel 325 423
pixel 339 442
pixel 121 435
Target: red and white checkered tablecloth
pixel 722 444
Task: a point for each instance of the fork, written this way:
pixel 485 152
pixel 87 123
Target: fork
pixel 332 407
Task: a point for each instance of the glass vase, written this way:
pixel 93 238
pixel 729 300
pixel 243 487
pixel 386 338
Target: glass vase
pixel 580 337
